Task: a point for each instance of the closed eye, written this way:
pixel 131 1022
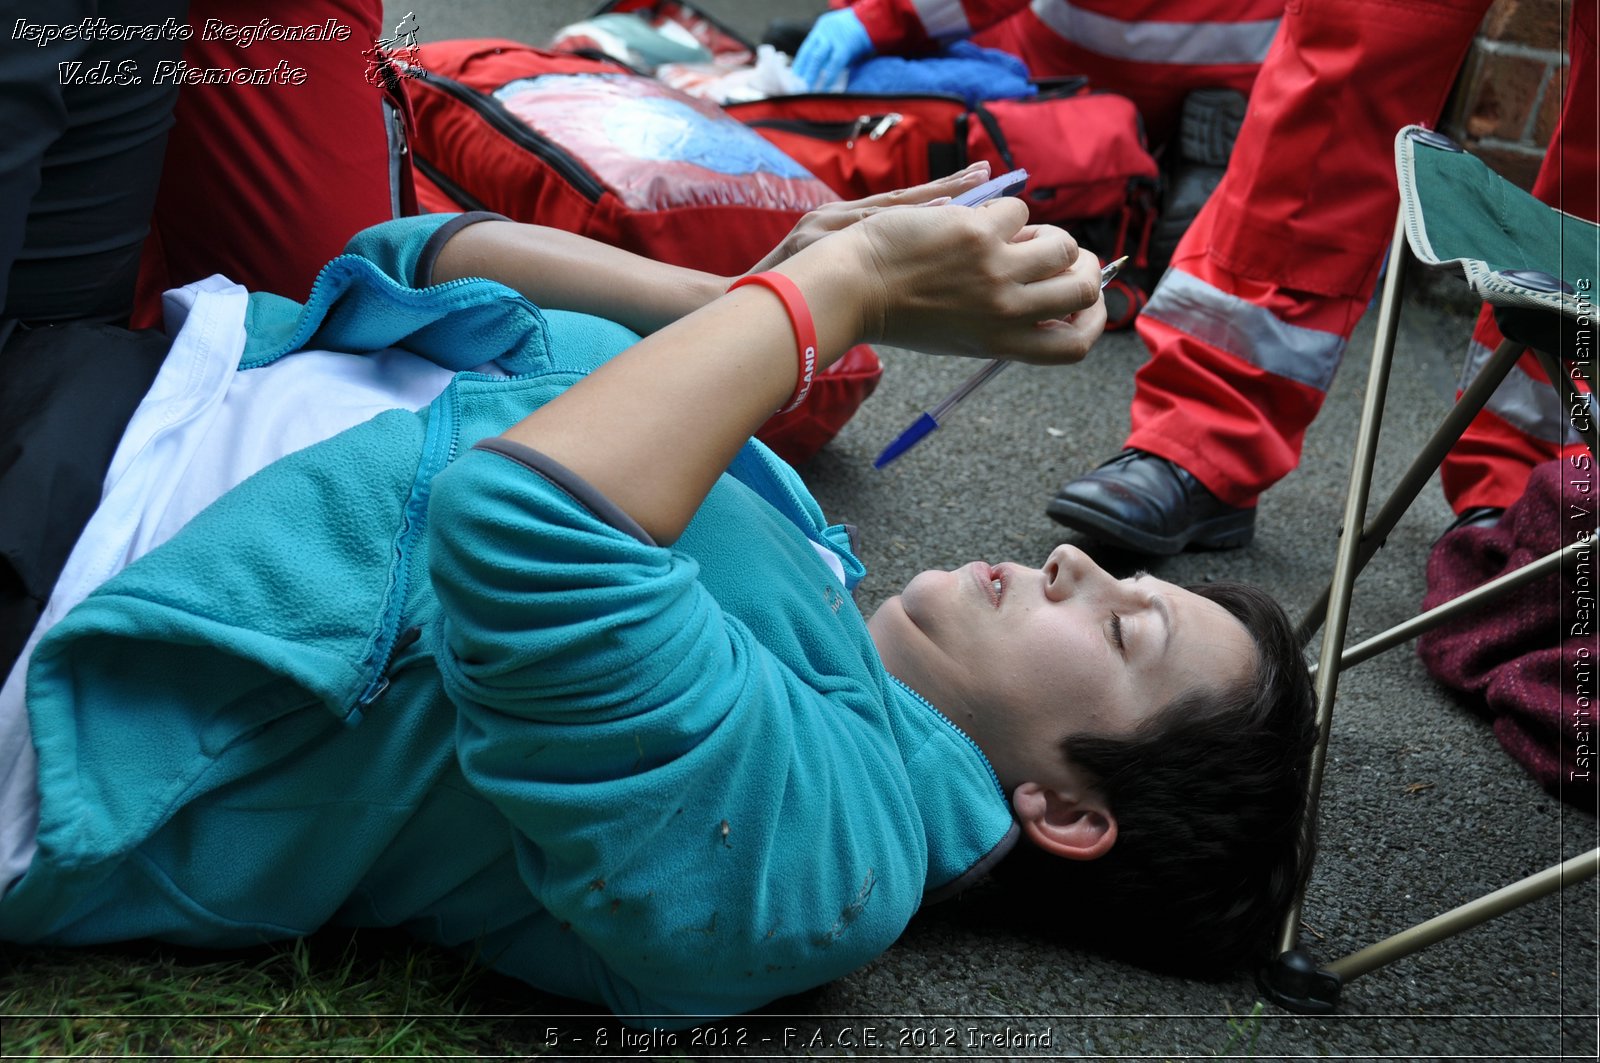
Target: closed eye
pixel 1116 634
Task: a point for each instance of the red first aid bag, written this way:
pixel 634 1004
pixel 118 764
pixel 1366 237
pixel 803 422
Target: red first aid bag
pixel 1088 161
pixel 591 147
pixel 1089 170
pixel 1085 152
pixel 864 143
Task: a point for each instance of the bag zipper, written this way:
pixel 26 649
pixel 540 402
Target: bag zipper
pixel 395 127
pixel 463 199
pixel 495 113
pixel 874 125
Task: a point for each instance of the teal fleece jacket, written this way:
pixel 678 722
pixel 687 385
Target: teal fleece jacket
pixel 403 679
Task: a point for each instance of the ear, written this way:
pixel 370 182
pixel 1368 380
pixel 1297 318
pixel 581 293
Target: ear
pixel 1076 826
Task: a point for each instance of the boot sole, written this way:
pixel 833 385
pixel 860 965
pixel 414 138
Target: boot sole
pixel 1227 532
pixel 1208 125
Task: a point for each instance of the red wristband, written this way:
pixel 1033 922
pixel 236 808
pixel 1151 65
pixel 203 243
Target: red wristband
pixel 805 330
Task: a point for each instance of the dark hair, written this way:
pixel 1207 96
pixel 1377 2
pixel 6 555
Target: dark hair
pixel 1209 796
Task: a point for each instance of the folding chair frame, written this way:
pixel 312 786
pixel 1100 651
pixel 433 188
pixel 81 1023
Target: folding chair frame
pixel 1293 980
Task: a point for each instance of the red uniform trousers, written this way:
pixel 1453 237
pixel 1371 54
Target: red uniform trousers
pixel 1524 422
pixel 1248 327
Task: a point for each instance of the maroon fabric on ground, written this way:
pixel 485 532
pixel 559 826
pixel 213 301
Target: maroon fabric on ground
pixel 1528 658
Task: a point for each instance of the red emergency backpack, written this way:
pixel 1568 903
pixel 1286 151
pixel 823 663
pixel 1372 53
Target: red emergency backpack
pixel 589 146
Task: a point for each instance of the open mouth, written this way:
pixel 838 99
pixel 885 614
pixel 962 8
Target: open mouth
pixel 992 581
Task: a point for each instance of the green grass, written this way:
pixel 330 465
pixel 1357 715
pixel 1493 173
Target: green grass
pixel 333 996
pixel 1245 1033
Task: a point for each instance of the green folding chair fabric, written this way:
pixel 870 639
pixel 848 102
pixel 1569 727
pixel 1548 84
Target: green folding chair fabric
pixel 1459 213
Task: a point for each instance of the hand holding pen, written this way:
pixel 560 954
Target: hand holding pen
pixel 931 419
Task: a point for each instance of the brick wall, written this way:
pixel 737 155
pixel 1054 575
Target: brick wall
pixel 1506 102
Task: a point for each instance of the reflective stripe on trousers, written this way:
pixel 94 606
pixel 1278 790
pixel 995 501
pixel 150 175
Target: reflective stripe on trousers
pixel 1247 331
pixel 1527 403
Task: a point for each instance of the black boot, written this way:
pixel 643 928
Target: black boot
pixel 1149 505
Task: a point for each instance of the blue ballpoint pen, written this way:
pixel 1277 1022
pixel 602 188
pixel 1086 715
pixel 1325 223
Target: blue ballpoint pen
pixel 923 426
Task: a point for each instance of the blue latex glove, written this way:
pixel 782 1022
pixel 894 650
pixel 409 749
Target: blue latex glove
pixel 837 40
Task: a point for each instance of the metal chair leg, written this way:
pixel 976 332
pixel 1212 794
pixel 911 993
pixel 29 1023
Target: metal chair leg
pixel 1502 584
pixel 1551 879
pixel 1346 566
pixel 1421 470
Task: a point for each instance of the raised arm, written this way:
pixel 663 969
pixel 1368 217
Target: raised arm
pixel 653 428
pixel 559 270
pixel 564 271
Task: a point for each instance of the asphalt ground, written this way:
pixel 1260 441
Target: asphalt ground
pixel 1421 810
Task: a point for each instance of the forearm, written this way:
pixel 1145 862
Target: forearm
pixel 559 270
pixel 653 428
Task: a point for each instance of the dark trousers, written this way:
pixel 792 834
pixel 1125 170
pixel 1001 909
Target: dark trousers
pixel 81 146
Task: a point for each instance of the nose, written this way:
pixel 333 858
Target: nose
pixel 1068 571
